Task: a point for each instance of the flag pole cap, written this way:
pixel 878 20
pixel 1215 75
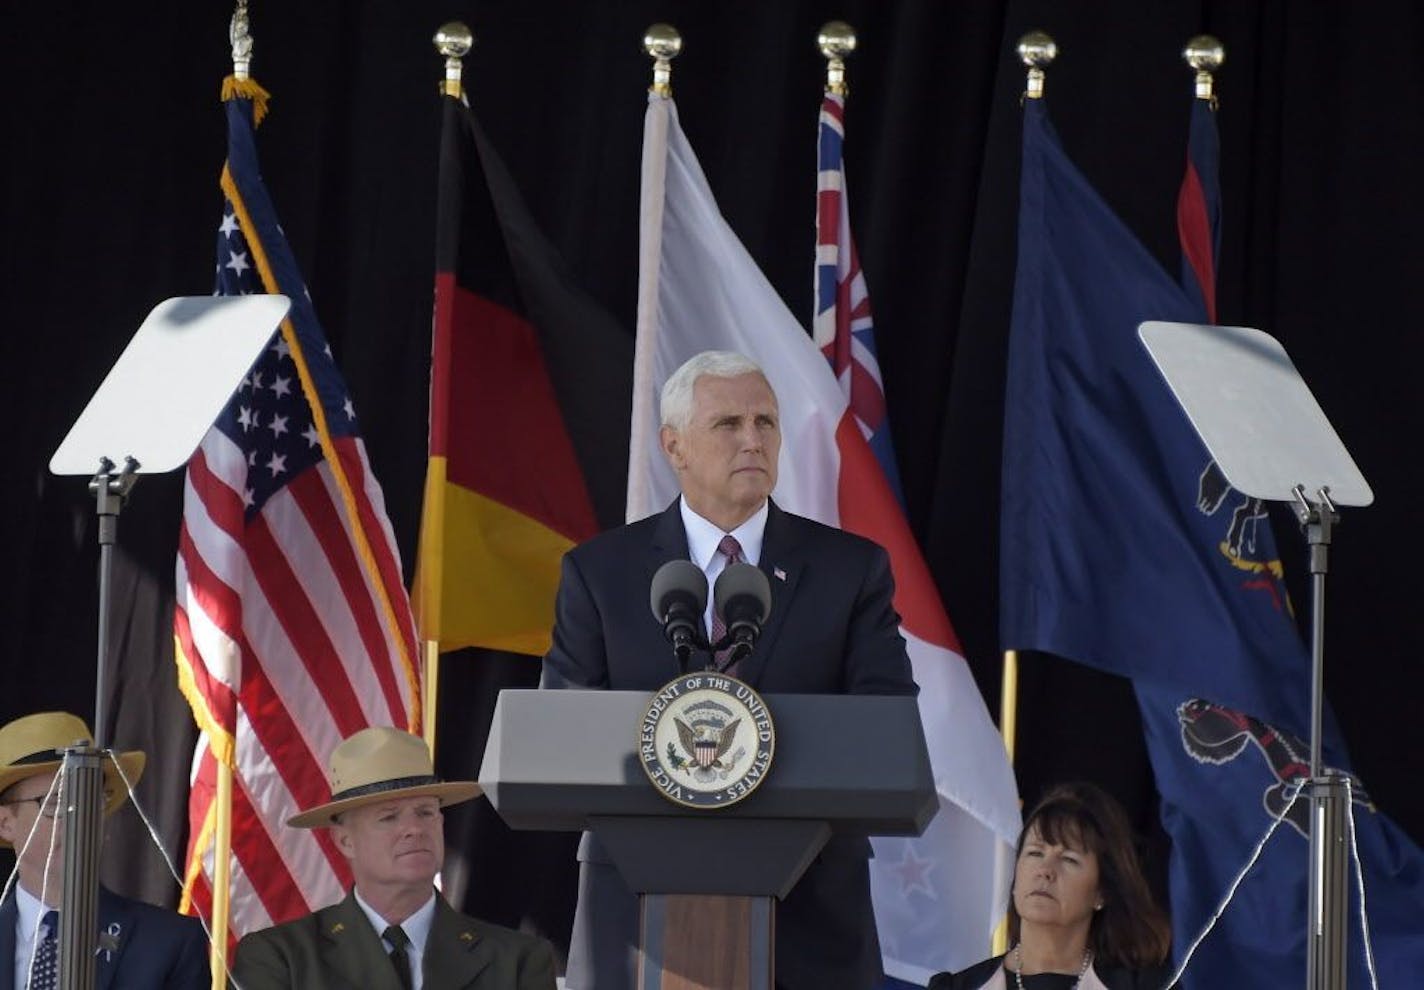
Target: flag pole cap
pixel 454 40
pixel 1204 53
pixel 836 40
pixel 1036 49
pixel 239 35
pixel 663 44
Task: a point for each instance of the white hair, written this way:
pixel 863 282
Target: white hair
pixel 675 403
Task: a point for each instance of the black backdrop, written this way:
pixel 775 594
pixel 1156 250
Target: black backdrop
pixel 110 199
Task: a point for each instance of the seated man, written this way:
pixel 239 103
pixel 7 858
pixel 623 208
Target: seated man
pixel 394 929
pixel 139 946
pixel 832 630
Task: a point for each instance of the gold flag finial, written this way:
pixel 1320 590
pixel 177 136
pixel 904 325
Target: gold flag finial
pixel 836 40
pixel 239 34
pixel 1036 49
pixel 662 43
pixel 454 40
pixel 1204 53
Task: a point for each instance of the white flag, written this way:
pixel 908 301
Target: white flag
pixel 937 898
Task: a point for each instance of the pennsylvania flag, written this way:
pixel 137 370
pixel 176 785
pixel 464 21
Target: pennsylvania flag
pixel 1123 548
pixel 1116 549
pixel 529 398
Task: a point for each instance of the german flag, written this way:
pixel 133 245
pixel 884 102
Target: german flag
pixel 529 407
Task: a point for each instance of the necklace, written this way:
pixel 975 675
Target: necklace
pixel 1018 966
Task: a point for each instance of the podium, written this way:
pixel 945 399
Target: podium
pixel 844 765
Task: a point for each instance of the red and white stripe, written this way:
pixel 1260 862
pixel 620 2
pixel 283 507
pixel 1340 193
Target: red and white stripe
pixel 282 627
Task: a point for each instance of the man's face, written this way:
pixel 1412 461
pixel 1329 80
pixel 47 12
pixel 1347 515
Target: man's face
pixel 726 457
pixel 32 825
pixel 393 844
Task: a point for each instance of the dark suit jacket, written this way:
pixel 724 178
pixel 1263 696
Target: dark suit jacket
pixel 337 949
pixel 143 947
pixel 832 630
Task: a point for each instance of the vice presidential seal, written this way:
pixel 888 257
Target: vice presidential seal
pixel 706 740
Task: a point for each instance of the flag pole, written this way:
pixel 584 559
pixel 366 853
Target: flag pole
pixel 1036 50
pixel 662 43
pixel 453 40
pixel 1008 728
pixel 430 687
pixel 836 40
pixel 1009 702
pixel 222 876
pixel 240 37
pixel 1204 54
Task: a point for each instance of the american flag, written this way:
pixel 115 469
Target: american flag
pixel 842 327
pixel 292 624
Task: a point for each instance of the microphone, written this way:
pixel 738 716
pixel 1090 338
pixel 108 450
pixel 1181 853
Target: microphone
pixel 678 597
pixel 742 598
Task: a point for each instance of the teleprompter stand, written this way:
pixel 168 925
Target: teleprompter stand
pixel 1272 441
pixel 707 879
pixel 152 410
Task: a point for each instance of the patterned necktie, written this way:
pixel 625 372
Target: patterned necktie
pixel 44 970
pixel 400 959
pixel 732 550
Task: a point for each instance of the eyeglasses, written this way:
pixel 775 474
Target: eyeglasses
pixel 48 804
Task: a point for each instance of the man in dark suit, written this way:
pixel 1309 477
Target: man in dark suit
pixel 394 930
pixel 139 946
pixel 832 629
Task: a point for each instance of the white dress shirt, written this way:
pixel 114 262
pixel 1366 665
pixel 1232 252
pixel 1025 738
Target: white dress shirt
pixel 29 909
pixel 703 538
pixel 416 928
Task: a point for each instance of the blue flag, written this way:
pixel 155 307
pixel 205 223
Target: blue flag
pixel 1120 547
pixel 1124 548
pixel 1199 210
pixel 1223 777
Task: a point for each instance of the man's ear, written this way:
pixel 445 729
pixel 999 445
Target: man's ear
pixel 8 821
pixel 670 441
pixel 342 837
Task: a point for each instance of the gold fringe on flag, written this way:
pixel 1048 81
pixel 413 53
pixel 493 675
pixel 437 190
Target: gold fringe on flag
pixel 234 88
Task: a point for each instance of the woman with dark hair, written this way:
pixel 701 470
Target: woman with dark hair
pixel 1080 914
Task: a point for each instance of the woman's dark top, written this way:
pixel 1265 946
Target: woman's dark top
pixel 1114 977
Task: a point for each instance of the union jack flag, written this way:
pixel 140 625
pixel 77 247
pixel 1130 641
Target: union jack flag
pixel 292 624
pixel 842 327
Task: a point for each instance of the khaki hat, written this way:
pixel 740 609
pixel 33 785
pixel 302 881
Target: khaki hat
pixel 379 764
pixel 28 748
